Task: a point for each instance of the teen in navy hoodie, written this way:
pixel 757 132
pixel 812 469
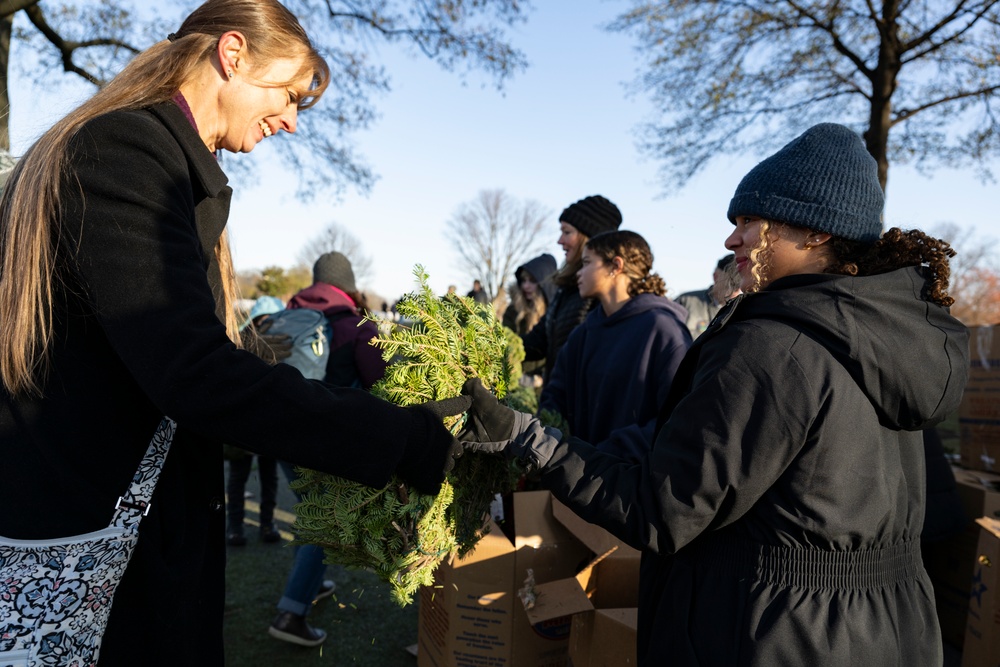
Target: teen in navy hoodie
pixel 613 375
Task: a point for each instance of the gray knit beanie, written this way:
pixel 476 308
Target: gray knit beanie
pixel 592 215
pixel 333 268
pixel 823 180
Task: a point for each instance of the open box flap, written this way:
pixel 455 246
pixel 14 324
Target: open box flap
pixel 990 524
pixel 558 598
pixel 595 538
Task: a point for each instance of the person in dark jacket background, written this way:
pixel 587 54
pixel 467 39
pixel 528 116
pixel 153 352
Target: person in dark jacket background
pixel 241 462
pixel 531 293
pixel 477 293
pixel 780 509
pixel 613 374
pixel 117 298
pixel 703 305
pixel 577 223
pixel 530 296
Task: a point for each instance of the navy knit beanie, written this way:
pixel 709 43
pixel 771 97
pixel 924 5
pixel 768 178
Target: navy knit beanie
pixel 824 180
pixel 592 215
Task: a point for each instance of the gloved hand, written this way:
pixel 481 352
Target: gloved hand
pixel 495 429
pixel 431 449
pixel 272 348
pixel 488 420
pixel 279 347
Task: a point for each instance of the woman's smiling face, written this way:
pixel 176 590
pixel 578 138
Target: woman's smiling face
pixel 252 108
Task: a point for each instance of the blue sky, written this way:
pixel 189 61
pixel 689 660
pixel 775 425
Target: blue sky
pixel 562 130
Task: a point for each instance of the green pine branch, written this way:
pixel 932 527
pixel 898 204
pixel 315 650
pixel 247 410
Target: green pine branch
pixel 395 531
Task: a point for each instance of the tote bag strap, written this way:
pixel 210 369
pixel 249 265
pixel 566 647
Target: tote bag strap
pixel 136 502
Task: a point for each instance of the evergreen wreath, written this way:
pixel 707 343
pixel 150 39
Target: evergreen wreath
pixel 397 532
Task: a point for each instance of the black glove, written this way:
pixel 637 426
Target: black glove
pixel 272 348
pixel 431 449
pixel 279 347
pixel 494 429
pixel 488 420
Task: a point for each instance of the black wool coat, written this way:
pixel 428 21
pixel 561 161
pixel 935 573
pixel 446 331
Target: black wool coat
pixel 781 507
pixel 138 335
pixel 566 310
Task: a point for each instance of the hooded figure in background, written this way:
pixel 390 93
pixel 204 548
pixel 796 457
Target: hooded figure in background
pixel 530 297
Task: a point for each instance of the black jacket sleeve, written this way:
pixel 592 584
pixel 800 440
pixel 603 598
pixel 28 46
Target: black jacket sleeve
pixel 139 263
pixel 726 443
pixel 536 341
pixel 944 516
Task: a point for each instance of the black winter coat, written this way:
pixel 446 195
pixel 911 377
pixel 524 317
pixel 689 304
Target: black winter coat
pixel 565 311
pixel 780 510
pixel 137 335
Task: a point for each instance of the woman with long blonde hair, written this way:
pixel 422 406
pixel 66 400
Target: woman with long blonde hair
pixel 530 296
pixel 117 294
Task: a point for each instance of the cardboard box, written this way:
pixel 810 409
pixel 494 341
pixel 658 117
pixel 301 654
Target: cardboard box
pixel 471 616
pixel 979 413
pixel 982 636
pixel 604 638
pixel 950 562
pixel 601 597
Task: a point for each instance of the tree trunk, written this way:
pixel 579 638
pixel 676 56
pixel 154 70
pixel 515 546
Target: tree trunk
pixel 883 86
pixel 6 25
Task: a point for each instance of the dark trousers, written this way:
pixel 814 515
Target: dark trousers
pixel 239 473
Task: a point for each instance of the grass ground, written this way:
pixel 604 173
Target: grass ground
pixel 364 625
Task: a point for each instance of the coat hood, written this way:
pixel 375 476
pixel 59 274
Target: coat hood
pixel 323 297
pixel 640 303
pixel 908 355
pixel 541 269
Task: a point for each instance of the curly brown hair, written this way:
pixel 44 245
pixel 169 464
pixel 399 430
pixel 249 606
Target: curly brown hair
pixel 636 256
pixel 894 250
pixel 897 248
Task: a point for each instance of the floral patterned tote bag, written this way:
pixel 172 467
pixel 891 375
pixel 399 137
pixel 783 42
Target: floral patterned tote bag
pixel 55 595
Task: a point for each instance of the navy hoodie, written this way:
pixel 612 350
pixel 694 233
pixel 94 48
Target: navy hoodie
pixel 613 375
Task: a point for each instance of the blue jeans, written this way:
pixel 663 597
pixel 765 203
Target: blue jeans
pixel 307 572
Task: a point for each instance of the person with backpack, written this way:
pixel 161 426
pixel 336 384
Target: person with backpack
pixel 351 361
pixel 781 509
pixel 118 303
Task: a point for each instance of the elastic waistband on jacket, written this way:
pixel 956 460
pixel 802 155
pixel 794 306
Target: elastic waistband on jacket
pixel 814 568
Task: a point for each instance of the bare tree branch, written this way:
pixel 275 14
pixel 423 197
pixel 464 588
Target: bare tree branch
pixel 917 79
pixel 68 48
pixel 335 237
pixel 77 36
pixel 10 7
pixel 494 234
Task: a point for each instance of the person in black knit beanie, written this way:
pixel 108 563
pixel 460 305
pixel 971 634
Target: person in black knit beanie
pixel 577 223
